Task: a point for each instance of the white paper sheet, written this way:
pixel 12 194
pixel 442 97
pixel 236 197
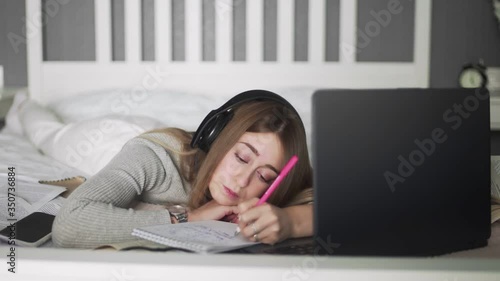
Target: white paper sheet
pixel 29 196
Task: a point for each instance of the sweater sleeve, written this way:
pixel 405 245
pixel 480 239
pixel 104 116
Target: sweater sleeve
pixel 97 212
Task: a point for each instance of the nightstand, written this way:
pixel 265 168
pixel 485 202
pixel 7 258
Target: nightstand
pixel 6 98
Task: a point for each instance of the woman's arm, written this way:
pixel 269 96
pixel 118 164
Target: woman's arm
pixel 98 212
pixel 301 218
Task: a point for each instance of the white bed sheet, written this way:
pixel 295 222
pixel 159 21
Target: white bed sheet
pixel 17 151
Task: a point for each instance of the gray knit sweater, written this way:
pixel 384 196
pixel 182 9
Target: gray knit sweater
pixel 99 211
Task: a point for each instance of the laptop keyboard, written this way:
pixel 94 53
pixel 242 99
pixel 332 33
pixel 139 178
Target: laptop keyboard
pixel 307 249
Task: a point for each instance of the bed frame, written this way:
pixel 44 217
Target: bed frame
pixel 49 80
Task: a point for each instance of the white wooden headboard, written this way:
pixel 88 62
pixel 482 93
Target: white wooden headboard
pixel 1 76
pixel 49 80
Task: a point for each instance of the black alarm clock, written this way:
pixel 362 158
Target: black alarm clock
pixel 473 75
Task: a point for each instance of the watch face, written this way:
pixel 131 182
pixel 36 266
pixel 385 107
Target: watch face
pixel 471 78
pixel 176 209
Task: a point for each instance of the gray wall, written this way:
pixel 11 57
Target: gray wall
pixel 13 43
pixel 118 30
pixel 462 31
pixel 385 32
pixel 69 31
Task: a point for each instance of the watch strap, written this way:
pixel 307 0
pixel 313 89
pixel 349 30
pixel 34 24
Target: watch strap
pixel 180 217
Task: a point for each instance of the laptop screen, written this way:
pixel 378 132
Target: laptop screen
pixel 401 167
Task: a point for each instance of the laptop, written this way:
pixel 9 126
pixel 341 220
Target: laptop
pixel 398 172
pixel 402 172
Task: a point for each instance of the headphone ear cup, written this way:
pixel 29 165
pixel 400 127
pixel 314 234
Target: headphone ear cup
pixel 213 128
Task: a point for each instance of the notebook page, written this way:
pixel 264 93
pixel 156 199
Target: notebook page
pixel 208 234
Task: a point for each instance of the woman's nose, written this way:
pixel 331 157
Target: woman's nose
pixel 243 178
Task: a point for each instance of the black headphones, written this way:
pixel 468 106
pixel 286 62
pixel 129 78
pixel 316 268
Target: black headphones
pixel 218 118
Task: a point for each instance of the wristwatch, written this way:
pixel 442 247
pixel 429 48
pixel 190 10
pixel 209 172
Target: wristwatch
pixel 179 212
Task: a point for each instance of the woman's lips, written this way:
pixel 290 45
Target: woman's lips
pixel 230 193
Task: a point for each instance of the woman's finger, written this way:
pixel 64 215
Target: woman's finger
pixel 230 217
pixel 266 236
pixel 248 204
pixel 264 225
pixel 256 212
pixel 256 219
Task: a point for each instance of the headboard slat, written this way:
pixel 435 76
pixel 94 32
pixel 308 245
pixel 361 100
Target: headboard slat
pixel 34 51
pixel 163 26
pixel 223 27
pixel 193 30
pixel 103 30
pixel 317 10
pixel 285 31
pixel 421 42
pixel 255 20
pixel 133 31
pixel 347 40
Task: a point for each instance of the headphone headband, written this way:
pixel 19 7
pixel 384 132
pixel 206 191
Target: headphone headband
pixel 218 118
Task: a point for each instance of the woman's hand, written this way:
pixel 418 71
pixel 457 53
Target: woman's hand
pixel 265 223
pixel 212 211
pixel 231 218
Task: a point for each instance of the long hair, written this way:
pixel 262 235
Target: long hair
pixel 197 167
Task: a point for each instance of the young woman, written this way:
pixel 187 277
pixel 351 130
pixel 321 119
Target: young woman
pixel 218 173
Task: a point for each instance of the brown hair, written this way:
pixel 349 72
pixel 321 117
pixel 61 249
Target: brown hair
pixel 197 166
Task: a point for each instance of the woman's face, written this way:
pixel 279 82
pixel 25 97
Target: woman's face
pixel 248 168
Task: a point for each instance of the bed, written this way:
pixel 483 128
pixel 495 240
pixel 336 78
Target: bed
pixel 60 125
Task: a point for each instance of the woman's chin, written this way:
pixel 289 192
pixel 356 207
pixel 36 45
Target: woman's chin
pixel 224 201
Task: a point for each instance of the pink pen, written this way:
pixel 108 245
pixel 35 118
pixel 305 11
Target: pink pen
pixel 275 184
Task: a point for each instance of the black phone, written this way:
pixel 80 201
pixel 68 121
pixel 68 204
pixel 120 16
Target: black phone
pixel 32 230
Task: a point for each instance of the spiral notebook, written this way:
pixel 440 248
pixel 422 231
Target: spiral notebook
pixel 200 236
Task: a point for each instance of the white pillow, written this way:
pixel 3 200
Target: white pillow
pixel 176 108
pixel 90 144
pixel 12 122
pixel 86 145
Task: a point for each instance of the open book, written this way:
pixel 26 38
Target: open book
pixel 200 236
pixel 495 188
pixel 30 196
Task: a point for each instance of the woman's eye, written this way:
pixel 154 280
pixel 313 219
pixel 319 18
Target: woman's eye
pixel 240 159
pixel 265 177
pixel 262 178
